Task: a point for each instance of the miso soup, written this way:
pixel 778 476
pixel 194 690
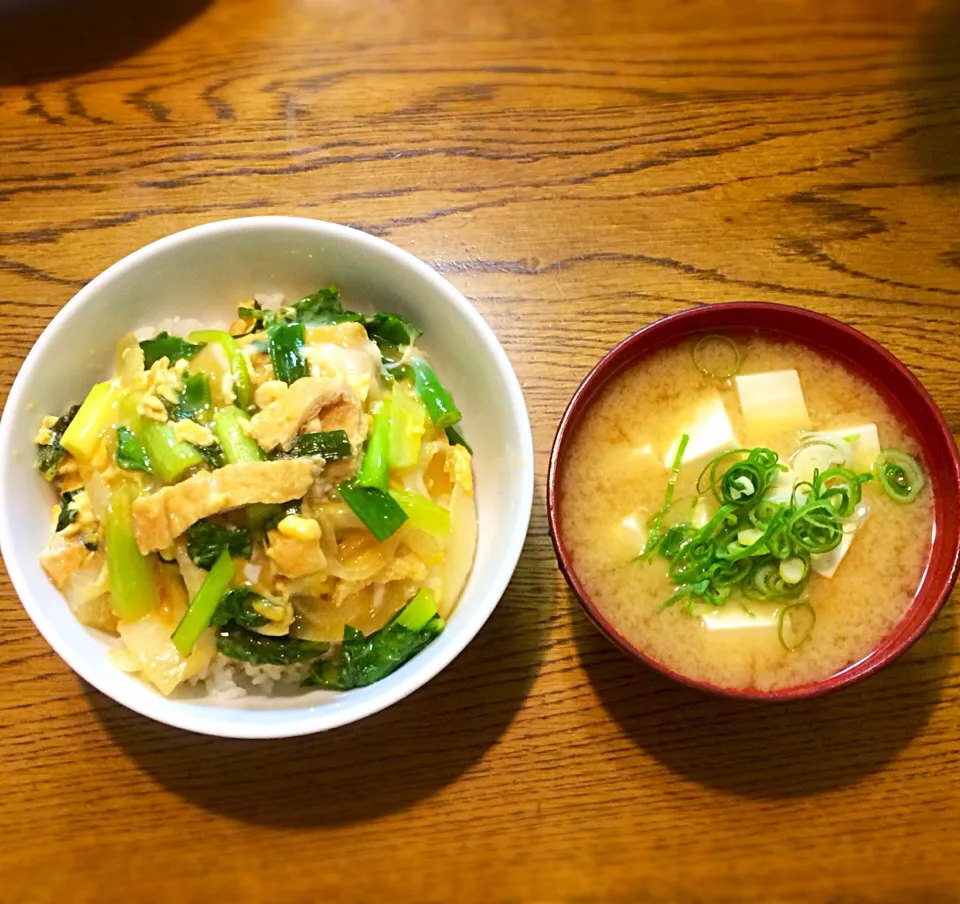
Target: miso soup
pixel 746 511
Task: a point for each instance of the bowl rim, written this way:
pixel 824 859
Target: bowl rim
pixel 629 352
pixel 315 718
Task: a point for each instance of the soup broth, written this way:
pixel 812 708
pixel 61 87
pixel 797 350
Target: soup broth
pixel 616 473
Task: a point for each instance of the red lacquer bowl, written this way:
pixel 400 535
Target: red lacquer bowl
pixel 902 392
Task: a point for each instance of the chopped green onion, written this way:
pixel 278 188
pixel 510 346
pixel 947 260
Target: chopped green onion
pixel 438 402
pixel 237 446
pixel 378 511
pixel 795 624
pixel 820 451
pixel 842 488
pixel 900 475
pixel 330 445
pixel 654 524
pixel 169 457
pixel 675 539
pixel 204 604
pixel 285 341
pixel 133 592
pixel 424 513
pixel 456 438
pixel 375 470
pixel 95 415
pixel 794 570
pixel 713 346
pixel 743 482
pixel 415 615
pixel 236 361
pixel 754 545
pixel 407 420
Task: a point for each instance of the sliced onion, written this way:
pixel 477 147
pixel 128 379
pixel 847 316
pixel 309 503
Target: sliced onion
pixel 193 575
pixel 128 361
pixel 339 569
pixel 461 549
pixel 856 520
pixel 819 452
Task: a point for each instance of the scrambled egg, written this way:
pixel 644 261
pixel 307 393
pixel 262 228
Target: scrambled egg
pixel 192 432
pixel 458 467
pixel 44 435
pixel 344 350
pixel 85 522
pixel 162 383
pixel 269 392
pixel 298 528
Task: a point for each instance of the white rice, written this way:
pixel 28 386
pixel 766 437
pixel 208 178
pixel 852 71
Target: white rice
pixel 232 679
pixel 175 326
pixel 269 300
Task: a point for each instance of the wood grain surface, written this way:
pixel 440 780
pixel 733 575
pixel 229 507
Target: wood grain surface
pixel 577 169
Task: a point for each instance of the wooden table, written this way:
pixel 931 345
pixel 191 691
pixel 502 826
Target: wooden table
pixel 578 169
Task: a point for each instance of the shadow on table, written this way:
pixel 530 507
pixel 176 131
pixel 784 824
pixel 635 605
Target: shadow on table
pixel 378 766
pixel 772 750
pixel 933 96
pixel 48 39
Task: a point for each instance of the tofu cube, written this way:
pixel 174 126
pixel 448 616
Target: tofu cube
pixel 710 433
pixel 864 441
pixel 773 400
pixel 734 617
pixel 629 536
pixel 826 563
pixel 781 491
pixel 701 512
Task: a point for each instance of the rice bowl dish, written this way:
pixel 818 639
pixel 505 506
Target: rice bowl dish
pixel 285 504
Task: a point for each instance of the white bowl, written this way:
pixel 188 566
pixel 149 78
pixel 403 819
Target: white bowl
pixel 204 273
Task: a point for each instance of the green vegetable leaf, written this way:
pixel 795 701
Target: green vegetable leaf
pixel 286 351
pixel 212 455
pixel 331 445
pixel 238 643
pixel 163 345
pixel 68 510
pixel 322 307
pixel 366 660
pixel 50 455
pixel 391 330
pixel 239 606
pixel 130 453
pixel 206 540
pixel 264 516
pixel 261 318
pixel 194 400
